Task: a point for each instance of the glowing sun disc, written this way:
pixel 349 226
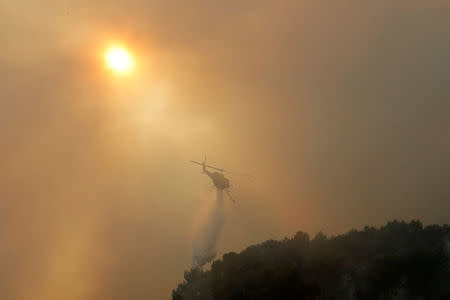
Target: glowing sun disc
pixel 119 59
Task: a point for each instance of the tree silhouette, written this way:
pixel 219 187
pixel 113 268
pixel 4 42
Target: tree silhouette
pixel 397 261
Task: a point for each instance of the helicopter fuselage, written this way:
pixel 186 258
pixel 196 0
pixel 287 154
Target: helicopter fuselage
pixel 219 180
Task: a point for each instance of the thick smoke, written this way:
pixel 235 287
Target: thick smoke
pixel 204 246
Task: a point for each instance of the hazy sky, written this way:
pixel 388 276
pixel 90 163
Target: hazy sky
pixel 339 109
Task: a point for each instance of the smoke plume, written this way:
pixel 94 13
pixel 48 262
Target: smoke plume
pixel 204 246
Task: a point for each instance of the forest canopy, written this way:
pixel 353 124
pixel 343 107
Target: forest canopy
pixel 397 261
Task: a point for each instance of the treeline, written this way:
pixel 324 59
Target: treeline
pixel 397 261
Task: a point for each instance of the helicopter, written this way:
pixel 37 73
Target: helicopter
pixel 218 178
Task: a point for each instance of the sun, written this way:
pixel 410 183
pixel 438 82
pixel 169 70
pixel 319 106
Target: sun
pixel 119 60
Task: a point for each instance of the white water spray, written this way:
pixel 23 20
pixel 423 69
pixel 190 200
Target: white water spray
pixel 204 246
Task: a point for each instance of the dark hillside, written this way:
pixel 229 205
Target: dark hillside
pixel 397 261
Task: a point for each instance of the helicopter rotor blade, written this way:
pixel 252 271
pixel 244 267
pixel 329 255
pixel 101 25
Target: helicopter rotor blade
pixel 208 166
pixel 214 168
